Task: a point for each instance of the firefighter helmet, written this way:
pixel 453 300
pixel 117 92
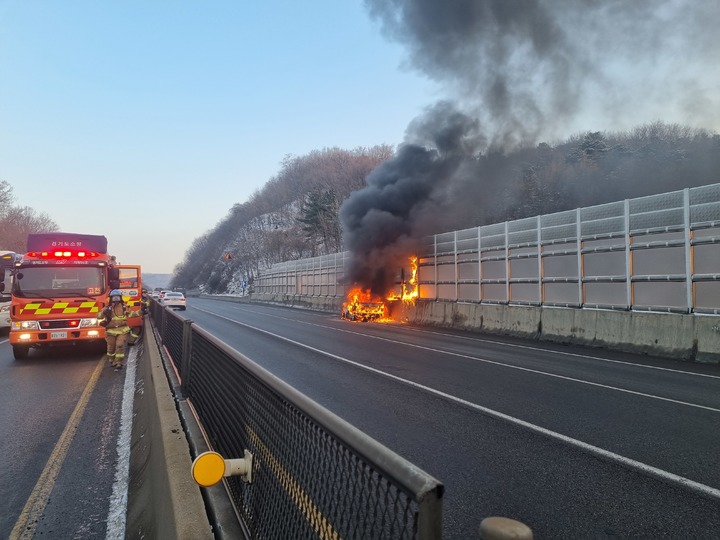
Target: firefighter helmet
pixel 116 295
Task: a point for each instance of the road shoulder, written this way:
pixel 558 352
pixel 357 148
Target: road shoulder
pixel 164 501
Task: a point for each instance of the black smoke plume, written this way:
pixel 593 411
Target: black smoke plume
pixel 517 72
pixel 383 222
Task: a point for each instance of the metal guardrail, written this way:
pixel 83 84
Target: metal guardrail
pixel 314 475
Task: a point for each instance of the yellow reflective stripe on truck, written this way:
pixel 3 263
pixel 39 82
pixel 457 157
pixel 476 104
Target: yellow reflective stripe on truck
pixel 38 308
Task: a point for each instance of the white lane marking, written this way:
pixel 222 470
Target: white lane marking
pixel 119 498
pixel 4 341
pixel 37 501
pixel 504 364
pixel 595 450
pixel 515 345
pixel 547 374
pixel 565 353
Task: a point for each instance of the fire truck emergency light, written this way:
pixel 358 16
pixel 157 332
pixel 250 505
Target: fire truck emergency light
pixel 63 254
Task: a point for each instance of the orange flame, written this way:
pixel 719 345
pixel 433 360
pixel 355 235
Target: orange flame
pixel 361 305
pixel 409 289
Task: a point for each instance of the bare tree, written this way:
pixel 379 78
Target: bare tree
pixel 6 197
pixel 18 222
pixel 265 229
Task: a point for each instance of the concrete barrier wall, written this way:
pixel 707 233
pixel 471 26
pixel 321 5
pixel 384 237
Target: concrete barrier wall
pixel 685 337
pixel 320 303
pixel 163 500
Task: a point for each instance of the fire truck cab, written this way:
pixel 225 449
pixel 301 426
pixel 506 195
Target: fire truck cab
pixel 60 286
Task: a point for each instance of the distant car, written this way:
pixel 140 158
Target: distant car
pixel 173 300
pixel 5 315
pixel 155 294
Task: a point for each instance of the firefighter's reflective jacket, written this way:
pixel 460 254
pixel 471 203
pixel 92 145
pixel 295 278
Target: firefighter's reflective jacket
pixel 114 318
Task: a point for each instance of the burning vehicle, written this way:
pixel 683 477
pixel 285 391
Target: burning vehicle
pixel 362 307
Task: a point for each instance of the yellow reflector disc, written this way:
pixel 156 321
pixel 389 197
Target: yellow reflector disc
pixel 208 469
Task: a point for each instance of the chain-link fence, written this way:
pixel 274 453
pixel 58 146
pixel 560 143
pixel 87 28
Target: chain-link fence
pixel 314 475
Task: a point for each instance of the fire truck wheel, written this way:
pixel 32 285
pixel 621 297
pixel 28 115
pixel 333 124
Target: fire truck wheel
pixel 20 352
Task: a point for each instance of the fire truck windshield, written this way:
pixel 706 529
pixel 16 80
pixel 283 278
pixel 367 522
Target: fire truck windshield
pixel 50 281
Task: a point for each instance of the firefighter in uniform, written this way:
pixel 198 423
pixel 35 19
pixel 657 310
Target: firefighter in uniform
pixel 114 319
pixel 140 310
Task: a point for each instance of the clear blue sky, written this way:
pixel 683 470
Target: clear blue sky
pixel 146 121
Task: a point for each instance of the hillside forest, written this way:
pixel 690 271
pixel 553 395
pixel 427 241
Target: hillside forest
pixel 16 222
pixel 297 213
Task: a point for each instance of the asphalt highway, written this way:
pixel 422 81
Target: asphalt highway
pixel 61 445
pixel 575 442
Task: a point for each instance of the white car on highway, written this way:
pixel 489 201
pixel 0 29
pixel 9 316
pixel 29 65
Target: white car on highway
pixel 174 300
pixel 4 314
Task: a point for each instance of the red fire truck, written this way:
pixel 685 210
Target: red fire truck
pixel 59 287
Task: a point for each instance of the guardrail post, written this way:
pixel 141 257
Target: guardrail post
pixel 628 257
pixel 163 324
pixel 186 359
pixel 689 253
pixel 430 515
